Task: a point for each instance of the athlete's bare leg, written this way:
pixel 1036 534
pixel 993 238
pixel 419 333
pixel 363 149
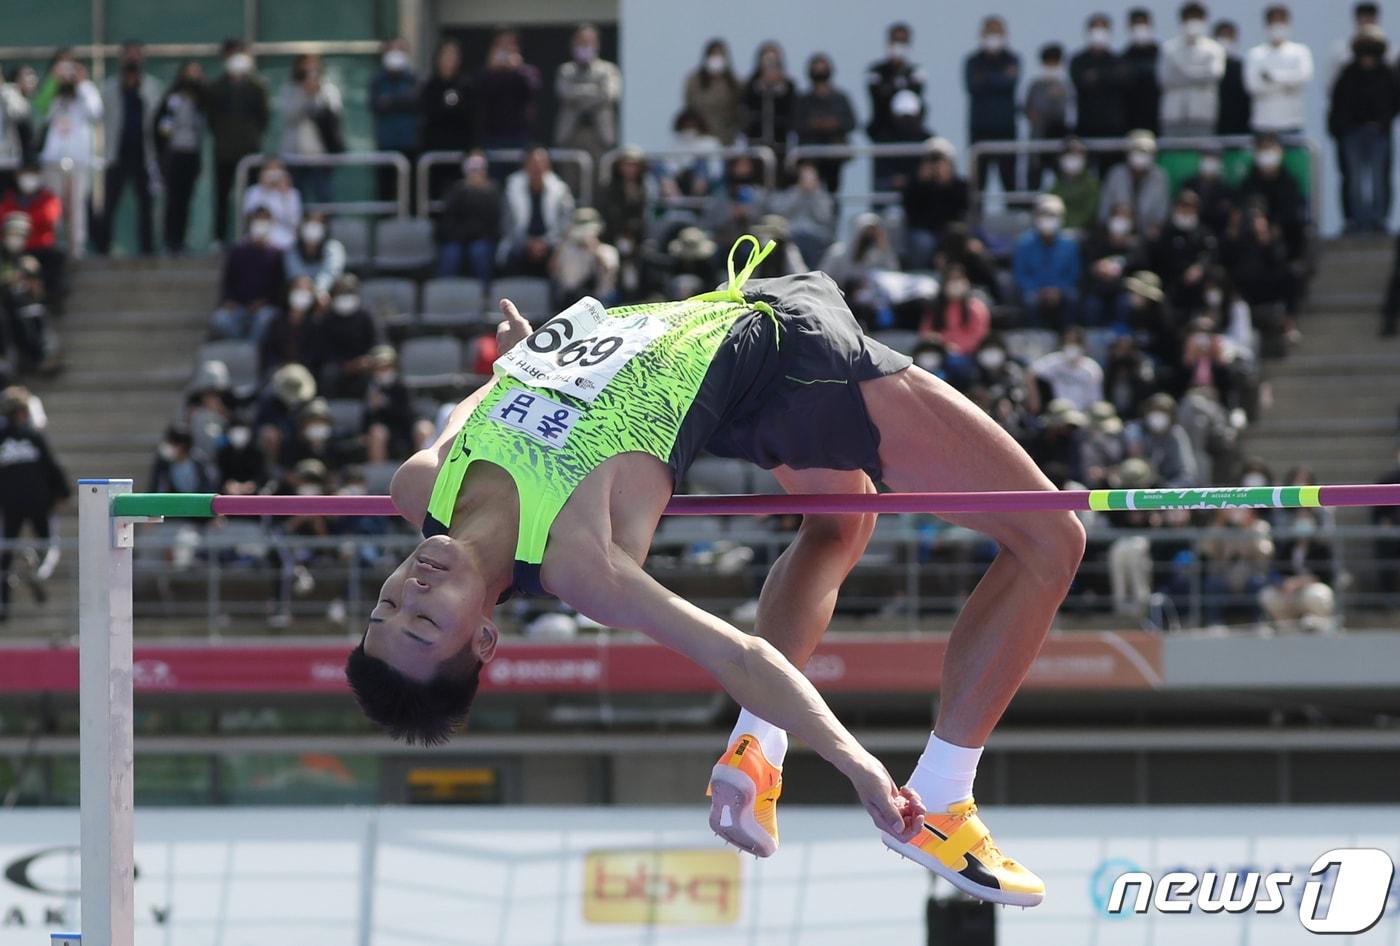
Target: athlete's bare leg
pixel 934 439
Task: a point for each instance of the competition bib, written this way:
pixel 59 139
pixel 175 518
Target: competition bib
pixel 579 350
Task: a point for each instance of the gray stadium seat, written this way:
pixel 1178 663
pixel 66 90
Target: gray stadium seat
pixel 403 245
pixel 391 299
pixel 530 294
pixel 431 360
pixel 353 234
pixel 453 302
pixel 347 415
pixel 241 359
pixel 1006 226
pixel 718 475
pixel 378 476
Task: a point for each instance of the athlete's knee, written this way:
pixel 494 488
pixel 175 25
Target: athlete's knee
pixel 848 532
pixel 1051 546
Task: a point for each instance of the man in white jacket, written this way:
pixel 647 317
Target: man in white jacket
pixel 73 116
pixel 538 207
pixel 1276 74
pixel 1189 70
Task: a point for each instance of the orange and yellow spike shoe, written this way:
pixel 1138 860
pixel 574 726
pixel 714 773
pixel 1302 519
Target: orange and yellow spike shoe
pixel 956 846
pixel 744 790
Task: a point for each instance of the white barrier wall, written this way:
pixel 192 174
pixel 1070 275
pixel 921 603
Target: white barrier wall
pixel 523 876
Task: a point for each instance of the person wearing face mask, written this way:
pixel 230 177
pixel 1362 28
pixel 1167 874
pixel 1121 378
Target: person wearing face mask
pixel 73 114
pixel 1236 107
pixel 238 115
pixel 1190 68
pixel 1069 371
pixel 252 282
pixel 16 130
pixel 1140 183
pixel 394 102
pixel 1077 184
pixel 1271 184
pixel 714 93
pixel 934 199
pixel 44 210
pixel 1231 314
pixel 130 101
pixel 895 80
pixel 1183 251
pixel 239 462
pixel 470 224
pixel 957 317
pixel 589 89
pixel 990 77
pixel 1277 74
pixel 1100 78
pixel 297 334
pixel 1046 266
pixel 316 439
pixel 32 484
pixel 274 192
pixel 507 95
pixel 823 115
pixel 1142 99
pixel 769 98
pixel 180 131
pixel 389 410
pixel 448 106
pixel 312 116
pixel 1218 197
pixel 1047 108
pixel 1111 252
pixel 349 334
pixel 1299 594
pixel 314 254
pixel 1365 100
pixel 178 467
pixel 1164 443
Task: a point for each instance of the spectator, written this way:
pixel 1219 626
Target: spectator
pixel 1047 107
pixel 252 283
pixel 958 318
pixel 129 104
pixel 32 484
pixel 583 265
pixel 1228 313
pixel 1104 446
pixel 1366 17
pixel 507 94
pixel 350 334
pixel 867 249
pixel 588 89
pixel 960 246
pixel 23 318
pixel 290 388
pixel 1277 76
pixel 1218 198
pixel 1058 449
pixel 1269 182
pixel 1151 321
pixel 1301 593
pixel 1140 183
pixel 16 130
pixel 933 200
pixel 388 408
pixel 1190 69
pixel 1130 560
pixel 1069 372
pixel 1236 555
pixel 314 439
pixel 208 407
pixel 896 87
pixel 241 468
pixel 990 76
pixel 296 334
pixel 1234 117
pixel 1111 252
pixel 274 193
pixel 538 206
pixel 311 113
pixel 1078 186
pixel 1130 377
pixel 823 116
pixel 394 99
pixel 238 115
pixel 1163 443
pixel 316 255
pixel 72 119
pixel 1365 100
pixel 1208 424
pixel 696 170
pixel 470 224
pixel 769 98
pixel 1100 80
pixel 809 210
pixel 448 104
pixel 713 93
pixel 1046 266
pixel 44 210
pixel 178 467
pixel 1143 95
pixel 1182 252
pixel 179 141
pixel 1257 258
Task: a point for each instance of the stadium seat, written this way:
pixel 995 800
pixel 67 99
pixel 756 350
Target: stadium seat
pixel 390 299
pixel 378 476
pixel 403 245
pixel 530 294
pixel 1001 230
pixel 353 234
pixel 717 475
pixel 453 303
pixel 347 415
pixel 431 360
pixel 241 359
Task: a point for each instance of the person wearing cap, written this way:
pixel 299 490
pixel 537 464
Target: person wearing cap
pixel 252 283
pixel 1140 182
pixel 897 109
pixel 1190 69
pixel 238 115
pixel 274 411
pixel 1104 446
pixel 691 263
pixel 1072 374
pixel 32 484
pixel 1150 317
pixel 1047 109
pixel 1142 99
pixel 389 410
pixel 588 89
pixel 31 197
pixel 1129 557
pixel 1077 184
pixel 1159 439
pixel 469 227
pixel 990 77
pixel 208 406
pixel 1058 447
pixel 583 264
pixel 1219 197
pixel 823 115
pixel 1277 74
pixel 1046 266
pixel 1100 78
pixel 935 198
pixel 538 208
pixel 394 102
pixel 1183 251
pixel 1235 105
pixel 1365 100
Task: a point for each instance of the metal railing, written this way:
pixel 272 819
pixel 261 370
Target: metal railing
pixel 760 153
pixel 397 207
pixel 846 152
pixel 582 160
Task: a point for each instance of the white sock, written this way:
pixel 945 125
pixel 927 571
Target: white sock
pixel 944 774
pixel 773 740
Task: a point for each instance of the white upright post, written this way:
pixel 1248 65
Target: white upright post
pixel 106 753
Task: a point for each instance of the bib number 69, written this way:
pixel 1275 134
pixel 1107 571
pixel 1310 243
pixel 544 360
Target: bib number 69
pixel 589 352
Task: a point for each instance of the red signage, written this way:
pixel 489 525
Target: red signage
pixel 865 663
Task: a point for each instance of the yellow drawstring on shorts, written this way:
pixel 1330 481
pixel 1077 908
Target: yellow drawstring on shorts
pixel 732 290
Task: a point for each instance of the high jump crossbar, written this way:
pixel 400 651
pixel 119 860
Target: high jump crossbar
pixel 108 511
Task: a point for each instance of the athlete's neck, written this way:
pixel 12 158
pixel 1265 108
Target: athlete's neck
pixel 486 522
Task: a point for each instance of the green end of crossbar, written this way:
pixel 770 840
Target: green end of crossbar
pixel 172 505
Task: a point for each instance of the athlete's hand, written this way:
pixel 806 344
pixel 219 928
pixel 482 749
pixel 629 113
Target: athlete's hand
pixel 896 811
pixel 512 329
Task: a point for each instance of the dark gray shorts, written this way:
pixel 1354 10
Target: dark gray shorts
pixel 795 403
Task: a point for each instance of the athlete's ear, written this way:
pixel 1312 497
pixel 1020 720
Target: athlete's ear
pixel 484 643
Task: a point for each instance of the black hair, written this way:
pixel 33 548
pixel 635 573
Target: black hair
pixel 1052 52
pixel 899 26
pixel 1276 11
pixel 1193 10
pixel 1095 18
pixel 1366 8
pixel 417 713
pixel 1139 14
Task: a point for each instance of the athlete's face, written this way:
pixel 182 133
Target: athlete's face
pixel 432 608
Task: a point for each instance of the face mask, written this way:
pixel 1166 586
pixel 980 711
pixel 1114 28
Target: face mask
pixel 396 60
pixel 1072 164
pixel 313 232
pixel 1279 32
pixel 168 452
pixel 1304 527
pixel 899 51
pixel 308 489
pixel 1142 32
pixel 1073 352
pixel 716 64
pixel 28 183
pixel 386 377
pixel 14 244
pixel 317 432
pixel 991 358
pixel 585 53
pixel 1214 297
pixel 346 304
pixel 956 289
pixel 240 64
pixel 1184 221
pixel 1052 70
pixel 1120 226
pixel 1254 480
pixel 930 361
pixel 1139 160
pixel 1158 422
pixel 300 299
pixel 770 61
pixel 1100 37
pixel 260 229
pixel 239 437
pixel 1210 166
pixel 994 42
pixel 1269 159
pixel 1194 29
pixel 1047 224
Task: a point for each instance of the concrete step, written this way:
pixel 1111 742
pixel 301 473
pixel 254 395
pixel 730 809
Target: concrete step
pixel 1303 427
pixel 1374 363
pixel 1309 448
pixel 1330 404
pixel 135 320
pixel 64 402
